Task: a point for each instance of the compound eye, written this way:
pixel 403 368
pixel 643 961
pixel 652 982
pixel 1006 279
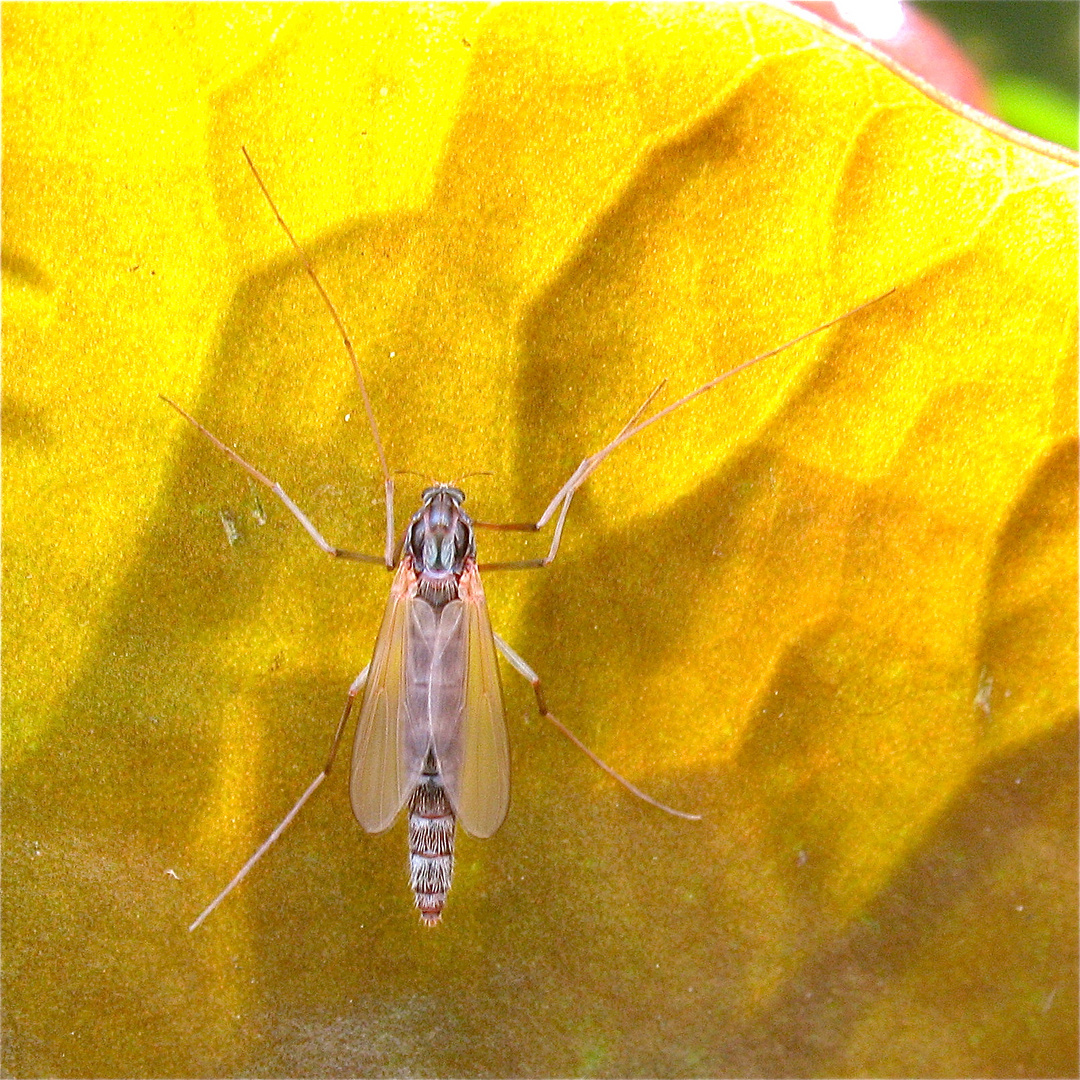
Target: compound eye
pixel 416 540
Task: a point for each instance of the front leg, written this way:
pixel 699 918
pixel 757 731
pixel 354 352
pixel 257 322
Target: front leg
pixel 561 501
pixel 276 488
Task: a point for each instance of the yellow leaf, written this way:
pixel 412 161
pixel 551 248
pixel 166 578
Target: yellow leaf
pixel 830 605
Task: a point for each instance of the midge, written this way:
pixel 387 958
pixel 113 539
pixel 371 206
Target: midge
pixel 431 732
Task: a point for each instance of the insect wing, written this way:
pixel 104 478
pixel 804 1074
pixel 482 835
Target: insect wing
pixel 473 754
pixel 384 771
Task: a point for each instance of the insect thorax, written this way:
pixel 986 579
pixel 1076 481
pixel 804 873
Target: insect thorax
pixel 441 540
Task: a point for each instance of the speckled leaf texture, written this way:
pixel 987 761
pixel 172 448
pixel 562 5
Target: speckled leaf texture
pixel 830 605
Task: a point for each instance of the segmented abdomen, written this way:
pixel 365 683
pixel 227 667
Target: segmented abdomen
pixel 431 847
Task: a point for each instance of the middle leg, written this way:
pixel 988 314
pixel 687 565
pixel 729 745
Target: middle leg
pixel 523 669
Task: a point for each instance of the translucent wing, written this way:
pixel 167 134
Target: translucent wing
pixel 433 684
pixel 472 750
pixel 385 764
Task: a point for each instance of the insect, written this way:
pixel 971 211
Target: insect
pixel 431 734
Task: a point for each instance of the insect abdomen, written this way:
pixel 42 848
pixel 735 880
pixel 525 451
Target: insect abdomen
pixel 431 847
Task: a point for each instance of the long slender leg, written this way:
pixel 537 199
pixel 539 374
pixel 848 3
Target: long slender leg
pixel 357 686
pixel 276 488
pixel 523 669
pixel 561 502
pixel 565 494
pixel 388 480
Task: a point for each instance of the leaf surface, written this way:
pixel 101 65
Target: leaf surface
pixel 830 605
